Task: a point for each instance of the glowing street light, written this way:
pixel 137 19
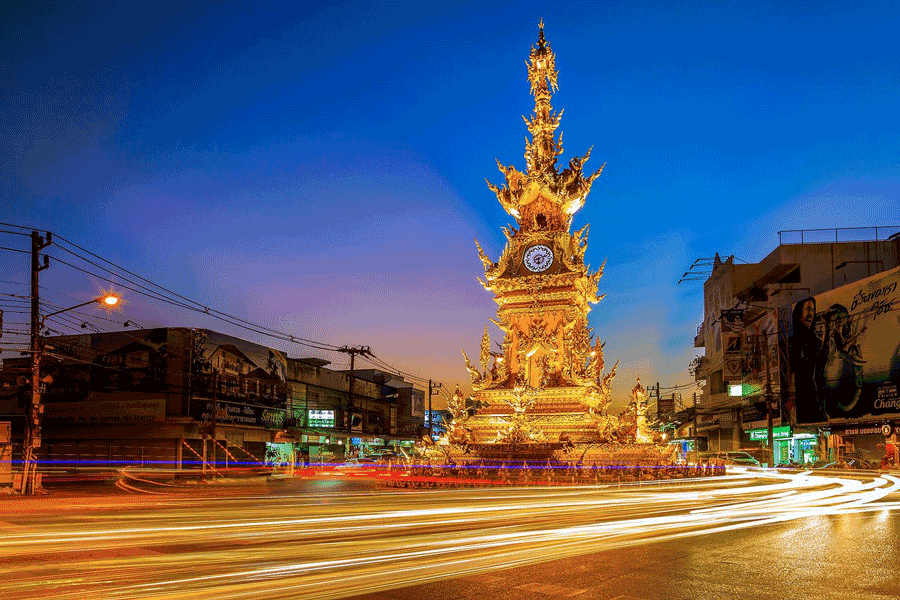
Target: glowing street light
pixel 109 300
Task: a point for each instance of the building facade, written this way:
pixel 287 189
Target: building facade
pixel 754 350
pixel 193 397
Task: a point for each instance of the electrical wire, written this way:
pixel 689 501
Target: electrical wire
pixel 197 305
pixel 18 226
pixel 163 294
pixel 210 312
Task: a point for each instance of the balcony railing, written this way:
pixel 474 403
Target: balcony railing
pixel 838 234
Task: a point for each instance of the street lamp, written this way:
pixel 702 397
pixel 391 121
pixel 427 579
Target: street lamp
pixel 859 262
pixel 108 300
pixel 33 436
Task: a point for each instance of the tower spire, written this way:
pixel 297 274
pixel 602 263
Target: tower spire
pixel 566 188
pixel 544 147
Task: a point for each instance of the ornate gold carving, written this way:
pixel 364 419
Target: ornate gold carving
pixel 473 372
pixel 488 264
pixel 643 433
pixel 485 349
pixel 457 405
pixel 518 429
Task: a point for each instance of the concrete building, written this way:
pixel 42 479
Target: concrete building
pixel 747 335
pixel 184 397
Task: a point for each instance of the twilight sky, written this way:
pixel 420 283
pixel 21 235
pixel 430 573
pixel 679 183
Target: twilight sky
pixel 320 168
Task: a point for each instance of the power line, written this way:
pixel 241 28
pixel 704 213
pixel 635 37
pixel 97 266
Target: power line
pixel 19 226
pixel 163 294
pixel 236 321
pixel 198 305
pixel 388 367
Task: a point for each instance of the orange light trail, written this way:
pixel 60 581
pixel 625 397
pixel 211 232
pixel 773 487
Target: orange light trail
pixel 335 544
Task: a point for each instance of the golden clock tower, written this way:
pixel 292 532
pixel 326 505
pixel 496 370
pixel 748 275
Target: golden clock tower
pixel 545 384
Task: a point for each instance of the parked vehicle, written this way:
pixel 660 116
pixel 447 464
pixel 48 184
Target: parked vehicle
pixel 760 454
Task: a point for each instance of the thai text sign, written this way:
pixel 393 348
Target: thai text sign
pixel 234 413
pixel 321 418
pixel 778 433
pixel 845 351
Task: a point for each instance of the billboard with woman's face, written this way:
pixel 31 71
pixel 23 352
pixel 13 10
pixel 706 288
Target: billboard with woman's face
pixel 845 351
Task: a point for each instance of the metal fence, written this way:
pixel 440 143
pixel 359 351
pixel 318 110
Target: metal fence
pixel 838 234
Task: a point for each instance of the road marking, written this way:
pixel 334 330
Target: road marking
pixel 550 589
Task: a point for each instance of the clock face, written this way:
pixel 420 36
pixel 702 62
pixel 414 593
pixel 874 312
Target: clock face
pixel 538 258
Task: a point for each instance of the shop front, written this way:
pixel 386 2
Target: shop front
pixel 869 442
pixel 791 447
pixel 305 449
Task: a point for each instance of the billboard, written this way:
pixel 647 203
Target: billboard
pixel 225 412
pixel 845 351
pixel 214 352
pixel 235 369
pixel 90 368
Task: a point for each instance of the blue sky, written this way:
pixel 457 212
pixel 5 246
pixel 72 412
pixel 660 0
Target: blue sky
pixel 320 168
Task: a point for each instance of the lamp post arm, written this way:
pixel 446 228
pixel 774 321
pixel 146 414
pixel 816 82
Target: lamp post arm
pixel 70 308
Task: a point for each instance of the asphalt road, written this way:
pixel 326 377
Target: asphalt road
pixel 747 535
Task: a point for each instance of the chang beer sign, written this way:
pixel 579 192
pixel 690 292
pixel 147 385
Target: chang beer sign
pixel 845 351
pixel 778 433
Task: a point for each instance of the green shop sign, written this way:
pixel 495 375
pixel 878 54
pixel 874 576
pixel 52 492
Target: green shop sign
pixel 778 433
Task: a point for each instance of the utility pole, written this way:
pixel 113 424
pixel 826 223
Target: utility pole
pixel 212 429
pixel 771 436
pixel 35 410
pixel 432 388
pixel 658 400
pixel 696 436
pixel 353 351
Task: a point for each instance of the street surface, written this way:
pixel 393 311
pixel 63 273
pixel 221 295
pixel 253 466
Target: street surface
pixel 747 535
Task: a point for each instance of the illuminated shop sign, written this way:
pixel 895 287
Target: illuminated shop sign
pixel 860 430
pixel 321 418
pixel 778 433
pixel 235 413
